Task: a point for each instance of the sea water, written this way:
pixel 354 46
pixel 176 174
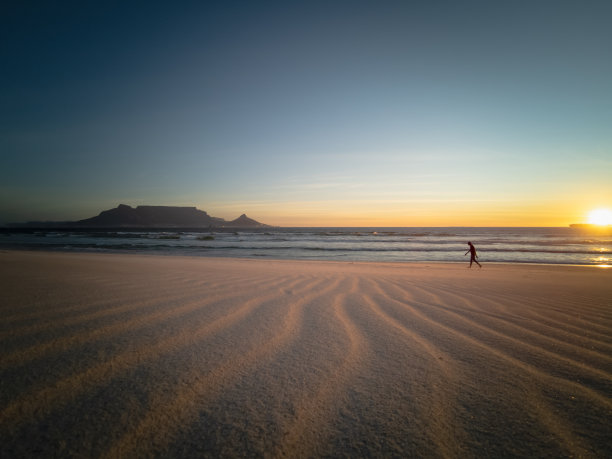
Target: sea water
pixel 494 245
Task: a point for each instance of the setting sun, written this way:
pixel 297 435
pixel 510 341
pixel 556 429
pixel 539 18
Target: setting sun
pixel 600 217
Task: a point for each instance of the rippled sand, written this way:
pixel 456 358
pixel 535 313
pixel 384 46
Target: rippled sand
pixel 136 356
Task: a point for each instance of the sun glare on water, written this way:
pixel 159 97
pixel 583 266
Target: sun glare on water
pixel 601 217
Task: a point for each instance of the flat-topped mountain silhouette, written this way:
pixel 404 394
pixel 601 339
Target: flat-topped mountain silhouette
pixel 125 216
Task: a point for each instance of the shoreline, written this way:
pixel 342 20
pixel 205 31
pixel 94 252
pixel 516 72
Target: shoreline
pixel 116 355
pixel 407 245
pixel 270 258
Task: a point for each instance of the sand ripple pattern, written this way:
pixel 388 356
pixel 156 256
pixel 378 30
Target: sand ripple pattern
pixel 137 356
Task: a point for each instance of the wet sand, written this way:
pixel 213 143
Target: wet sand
pixel 138 356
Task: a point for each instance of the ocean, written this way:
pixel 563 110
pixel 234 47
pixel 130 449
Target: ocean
pixel 570 246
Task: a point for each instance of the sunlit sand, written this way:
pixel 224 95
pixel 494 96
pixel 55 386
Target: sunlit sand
pixel 134 356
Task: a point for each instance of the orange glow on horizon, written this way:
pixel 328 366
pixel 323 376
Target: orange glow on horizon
pixel 416 217
pixel 398 213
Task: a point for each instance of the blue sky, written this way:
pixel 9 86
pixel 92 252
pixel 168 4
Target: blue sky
pixel 308 113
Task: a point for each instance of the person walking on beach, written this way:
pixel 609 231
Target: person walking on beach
pixel 473 255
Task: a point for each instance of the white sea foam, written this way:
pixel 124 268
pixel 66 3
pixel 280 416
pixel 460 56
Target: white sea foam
pixel 506 245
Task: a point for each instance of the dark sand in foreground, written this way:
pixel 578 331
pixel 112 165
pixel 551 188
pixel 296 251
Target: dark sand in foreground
pixel 139 356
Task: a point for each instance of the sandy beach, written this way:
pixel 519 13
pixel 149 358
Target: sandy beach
pixel 138 356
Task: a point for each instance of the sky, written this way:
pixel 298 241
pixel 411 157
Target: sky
pixel 314 113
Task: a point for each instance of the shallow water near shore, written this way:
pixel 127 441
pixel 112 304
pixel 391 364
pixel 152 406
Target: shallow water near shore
pixel 506 245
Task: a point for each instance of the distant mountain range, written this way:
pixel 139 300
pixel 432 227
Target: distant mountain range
pixel 125 216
